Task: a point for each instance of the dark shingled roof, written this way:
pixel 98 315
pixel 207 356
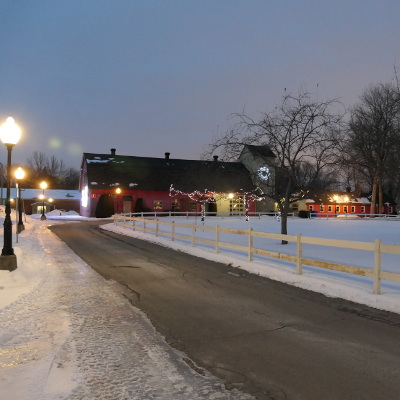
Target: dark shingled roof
pixel 263 151
pixel 146 173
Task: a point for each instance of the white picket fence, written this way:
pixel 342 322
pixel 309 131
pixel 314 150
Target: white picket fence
pixel 377 247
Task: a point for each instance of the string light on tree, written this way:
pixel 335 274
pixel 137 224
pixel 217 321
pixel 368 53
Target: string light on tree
pixel 248 198
pixel 200 197
pixel 208 196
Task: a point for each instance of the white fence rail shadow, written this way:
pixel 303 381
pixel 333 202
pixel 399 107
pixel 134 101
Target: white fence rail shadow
pixel 377 248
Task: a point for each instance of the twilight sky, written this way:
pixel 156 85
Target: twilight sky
pixel 151 76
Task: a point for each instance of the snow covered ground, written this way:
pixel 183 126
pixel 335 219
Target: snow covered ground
pixel 65 332
pixel 330 283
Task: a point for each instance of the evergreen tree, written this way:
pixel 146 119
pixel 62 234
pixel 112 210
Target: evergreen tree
pixel 105 207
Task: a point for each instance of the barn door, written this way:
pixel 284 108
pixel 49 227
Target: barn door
pixel 127 204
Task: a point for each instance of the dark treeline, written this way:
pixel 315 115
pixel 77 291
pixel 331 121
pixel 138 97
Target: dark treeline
pixel 40 168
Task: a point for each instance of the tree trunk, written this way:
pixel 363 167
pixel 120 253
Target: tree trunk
pixel 284 217
pixel 381 209
pixel 285 210
pixel 373 198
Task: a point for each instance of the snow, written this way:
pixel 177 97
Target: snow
pixel 330 283
pixel 64 328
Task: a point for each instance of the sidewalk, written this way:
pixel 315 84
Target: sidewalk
pixel 66 333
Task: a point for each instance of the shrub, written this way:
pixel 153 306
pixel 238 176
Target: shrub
pixel 105 206
pixel 304 214
pixel 139 205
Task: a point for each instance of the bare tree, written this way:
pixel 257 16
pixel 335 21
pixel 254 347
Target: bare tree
pixel 303 134
pixel 38 163
pixel 40 167
pixel 374 136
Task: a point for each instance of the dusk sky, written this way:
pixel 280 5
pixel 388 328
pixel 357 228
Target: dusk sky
pixel 154 76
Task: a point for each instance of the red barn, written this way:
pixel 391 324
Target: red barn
pixel 143 183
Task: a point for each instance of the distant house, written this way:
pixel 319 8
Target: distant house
pixel 144 183
pixel 334 203
pixel 68 200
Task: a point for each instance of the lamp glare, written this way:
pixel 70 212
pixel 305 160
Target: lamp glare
pixel 10 133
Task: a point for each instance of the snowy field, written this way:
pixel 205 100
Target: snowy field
pixel 331 283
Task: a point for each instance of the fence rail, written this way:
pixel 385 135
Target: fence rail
pixel 377 247
pixel 188 214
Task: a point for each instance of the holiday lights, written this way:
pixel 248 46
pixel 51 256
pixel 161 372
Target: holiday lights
pixel 248 197
pixel 208 196
pixel 198 196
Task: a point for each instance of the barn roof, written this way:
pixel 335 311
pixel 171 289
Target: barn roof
pixel 147 173
pixel 262 150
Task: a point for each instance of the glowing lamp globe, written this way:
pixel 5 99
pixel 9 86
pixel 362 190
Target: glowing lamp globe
pixel 19 173
pixel 10 133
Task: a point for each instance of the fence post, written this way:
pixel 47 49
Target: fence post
pixel 250 256
pixel 156 227
pixel 133 224
pixel 377 266
pixel 299 255
pixel 144 226
pixel 193 231
pixel 173 231
pixel 217 238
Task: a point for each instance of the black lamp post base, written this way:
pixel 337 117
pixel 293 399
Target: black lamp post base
pixel 8 263
pixel 43 217
pixel 20 228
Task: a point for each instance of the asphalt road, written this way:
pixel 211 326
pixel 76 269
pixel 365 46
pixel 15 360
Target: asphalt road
pixel 272 340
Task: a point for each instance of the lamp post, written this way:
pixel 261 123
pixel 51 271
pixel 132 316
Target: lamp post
pixel 10 134
pixel 19 174
pixel 117 191
pixel 43 186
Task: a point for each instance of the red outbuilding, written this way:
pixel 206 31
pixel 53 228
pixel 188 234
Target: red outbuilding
pixel 330 204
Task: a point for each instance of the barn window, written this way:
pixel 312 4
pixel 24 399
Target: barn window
pixel 311 208
pixel 345 209
pixel 363 209
pixel 157 205
pixel 329 208
pixel 353 209
pixel 236 205
pixel 321 208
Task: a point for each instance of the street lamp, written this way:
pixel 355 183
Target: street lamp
pixel 117 191
pixel 43 186
pixel 10 134
pixel 19 174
